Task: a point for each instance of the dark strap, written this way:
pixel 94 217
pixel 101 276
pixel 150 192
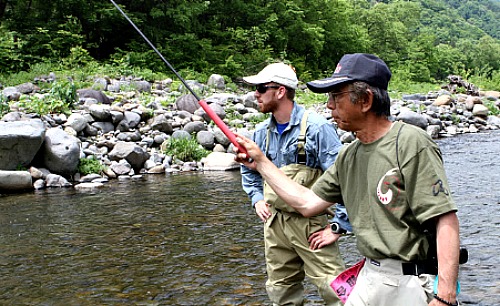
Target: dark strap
pixel 410 268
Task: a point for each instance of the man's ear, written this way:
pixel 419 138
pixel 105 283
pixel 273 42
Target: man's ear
pixel 366 103
pixel 281 92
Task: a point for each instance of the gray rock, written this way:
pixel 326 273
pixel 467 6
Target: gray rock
pixel 187 103
pixel 89 178
pixel 11 93
pixel 216 107
pixel 39 184
pixel 104 127
pixel 89 186
pixel 12 116
pixel 413 118
pixel 206 139
pixel 414 97
pixel 195 127
pixel 249 100
pixel 217 81
pixel 20 142
pixel 433 131
pixel 494 120
pixel 100 84
pixel 61 152
pixel 141 86
pixel 132 153
pixel 27 88
pixel 77 122
pixel 116 116
pixel 121 167
pixel 221 138
pixel 55 180
pixel 94 94
pixel 218 161
pixel 162 124
pixel 101 112
pixel 181 134
pixel 15 180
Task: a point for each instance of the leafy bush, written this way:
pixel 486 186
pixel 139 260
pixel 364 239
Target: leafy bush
pixel 185 149
pixel 60 99
pixel 64 91
pixel 89 165
pixel 494 110
pixel 4 105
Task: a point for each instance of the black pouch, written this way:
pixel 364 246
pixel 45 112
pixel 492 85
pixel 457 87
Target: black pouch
pixel 430 232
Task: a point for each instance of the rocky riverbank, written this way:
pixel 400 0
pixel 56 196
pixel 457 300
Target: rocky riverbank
pixel 113 124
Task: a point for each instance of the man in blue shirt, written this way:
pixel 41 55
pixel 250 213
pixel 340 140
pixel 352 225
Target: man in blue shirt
pixel 303 144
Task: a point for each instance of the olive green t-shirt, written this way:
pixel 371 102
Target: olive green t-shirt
pixel 386 209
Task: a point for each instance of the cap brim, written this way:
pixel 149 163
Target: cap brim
pixel 326 85
pixel 254 80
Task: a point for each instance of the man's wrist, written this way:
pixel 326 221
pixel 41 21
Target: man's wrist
pixel 337 229
pixel 443 301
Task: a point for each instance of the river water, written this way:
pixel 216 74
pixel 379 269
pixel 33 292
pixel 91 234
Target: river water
pixel 192 238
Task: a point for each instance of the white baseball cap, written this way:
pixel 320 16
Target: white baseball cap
pixel 278 73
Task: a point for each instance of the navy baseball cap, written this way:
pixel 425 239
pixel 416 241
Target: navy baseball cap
pixel 355 67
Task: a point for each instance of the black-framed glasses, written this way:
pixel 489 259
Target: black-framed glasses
pixel 334 95
pixel 261 88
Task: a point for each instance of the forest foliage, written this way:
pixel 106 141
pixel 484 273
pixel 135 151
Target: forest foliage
pixel 422 41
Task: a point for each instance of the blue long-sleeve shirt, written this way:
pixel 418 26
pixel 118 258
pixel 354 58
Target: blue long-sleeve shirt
pixel 322 146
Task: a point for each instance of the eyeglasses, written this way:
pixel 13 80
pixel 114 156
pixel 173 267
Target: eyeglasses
pixel 334 95
pixel 261 88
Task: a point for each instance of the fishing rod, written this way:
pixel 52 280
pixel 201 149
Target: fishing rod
pixel 210 112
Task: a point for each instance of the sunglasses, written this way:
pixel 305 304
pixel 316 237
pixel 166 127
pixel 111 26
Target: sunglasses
pixel 261 88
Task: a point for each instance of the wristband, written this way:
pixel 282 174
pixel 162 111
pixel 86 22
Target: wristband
pixel 336 229
pixel 445 301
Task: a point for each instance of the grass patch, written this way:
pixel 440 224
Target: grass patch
pixel 89 165
pixel 494 110
pixel 184 149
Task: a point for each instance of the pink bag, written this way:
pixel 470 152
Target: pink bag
pixel 344 283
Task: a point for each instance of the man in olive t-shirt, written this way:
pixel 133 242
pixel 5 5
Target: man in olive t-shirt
pixel 393 184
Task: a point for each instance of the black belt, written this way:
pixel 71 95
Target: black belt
pixel 410 268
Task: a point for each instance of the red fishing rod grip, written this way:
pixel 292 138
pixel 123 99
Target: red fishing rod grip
pixel 222 126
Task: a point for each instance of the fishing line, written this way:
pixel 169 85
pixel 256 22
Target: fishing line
pixel 156 50
pixel 210 112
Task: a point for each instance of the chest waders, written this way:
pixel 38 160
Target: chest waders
pixel 289 258
pixel 299 172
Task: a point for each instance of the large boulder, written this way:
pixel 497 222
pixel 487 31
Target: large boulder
pixel 61 152
pixel 15 180
pixel 219 161
pixel 19 142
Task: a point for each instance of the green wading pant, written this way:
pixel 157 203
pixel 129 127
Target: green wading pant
pixel 289 259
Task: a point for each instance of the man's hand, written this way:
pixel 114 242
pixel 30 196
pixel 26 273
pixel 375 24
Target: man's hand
pixel 253 155
pixel 262 210
pixel 322 238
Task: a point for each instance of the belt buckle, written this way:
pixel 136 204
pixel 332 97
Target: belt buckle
pixel 410 268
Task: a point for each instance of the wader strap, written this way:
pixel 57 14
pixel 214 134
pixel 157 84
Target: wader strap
pixel 301 145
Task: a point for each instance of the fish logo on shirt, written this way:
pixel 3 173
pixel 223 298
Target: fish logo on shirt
pixel 386 195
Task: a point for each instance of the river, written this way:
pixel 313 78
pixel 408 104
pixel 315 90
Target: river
pixel 193 239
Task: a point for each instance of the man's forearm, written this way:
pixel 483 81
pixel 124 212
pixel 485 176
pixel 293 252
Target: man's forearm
pixel 448 251
pixel 294 194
